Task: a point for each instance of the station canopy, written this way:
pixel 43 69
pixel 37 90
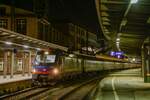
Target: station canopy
pixel 125 23
pixel 10 40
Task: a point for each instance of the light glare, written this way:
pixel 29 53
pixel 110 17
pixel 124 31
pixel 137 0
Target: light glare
pixel 117 42
pixel 46 52
pixel 25 46
pixel 38 49
pixel 118 39
pixel 133 59
pixel 133 1
pixel 71 55
pixel 9 43
pixel 55 71
pixel 33 70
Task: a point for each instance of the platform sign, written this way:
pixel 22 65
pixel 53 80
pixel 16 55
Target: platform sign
pixel 118 54
pixel 112 53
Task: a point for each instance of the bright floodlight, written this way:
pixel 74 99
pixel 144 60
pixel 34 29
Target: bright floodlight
pixel 133 59
pixel 133 1
pixel 9 43
pixel 71 55
pixel 25 46
pixel 55 71
pixel 117 42
pixel 46 52
pixel 118 39
pixel 38 49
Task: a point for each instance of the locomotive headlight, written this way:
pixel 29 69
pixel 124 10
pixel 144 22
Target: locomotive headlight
pixel 36 63
pixel 55 71
pixel 34 70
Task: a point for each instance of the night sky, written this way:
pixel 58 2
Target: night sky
pixel 81 12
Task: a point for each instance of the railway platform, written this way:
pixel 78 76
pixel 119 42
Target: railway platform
pixel 123 85
pixel 15 78
pixel 9 84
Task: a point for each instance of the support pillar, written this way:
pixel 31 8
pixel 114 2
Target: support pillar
pixel 147 64
pixel 12 64
pixel 5 64
pixel 143 62
pixel 23 64
pixel 87 39
pixel 30 64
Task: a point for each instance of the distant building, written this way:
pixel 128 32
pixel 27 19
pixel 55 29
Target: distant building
pixel 78 38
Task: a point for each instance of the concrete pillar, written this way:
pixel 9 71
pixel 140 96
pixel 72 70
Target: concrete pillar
pixel 143 62
pixel 5 64
pixel 82 65
pixel 12 64
pixel 30 64
pixel 23 64
pixel 87 39
pixel 147 64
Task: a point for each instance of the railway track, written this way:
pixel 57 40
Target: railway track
pixel 62 91
pixel 74 92
pixel 80 92
pixel 24 94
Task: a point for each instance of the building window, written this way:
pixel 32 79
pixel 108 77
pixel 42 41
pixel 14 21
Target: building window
pixel 21 26
pixel 4 23
pixel 46 33
pixel 40 30
pixel 2 11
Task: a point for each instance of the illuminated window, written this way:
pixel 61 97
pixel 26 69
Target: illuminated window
pixel 4 23
pixel 21 26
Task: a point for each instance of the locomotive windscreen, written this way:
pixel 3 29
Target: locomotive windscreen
pixel 50 58
pixel 45 57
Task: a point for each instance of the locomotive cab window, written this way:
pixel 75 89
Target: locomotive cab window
pixel 45 57
pixel 50 58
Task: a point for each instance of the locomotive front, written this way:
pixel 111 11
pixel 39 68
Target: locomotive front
pixel 45 67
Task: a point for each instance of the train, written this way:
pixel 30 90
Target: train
pixel 51 66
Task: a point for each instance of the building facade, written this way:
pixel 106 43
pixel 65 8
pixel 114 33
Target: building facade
pixel 18 20
pixel 27 23
pixel 78 37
